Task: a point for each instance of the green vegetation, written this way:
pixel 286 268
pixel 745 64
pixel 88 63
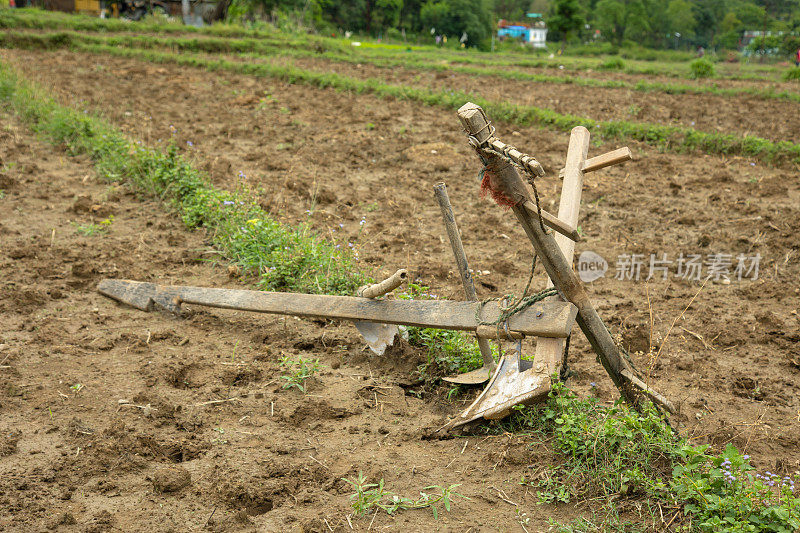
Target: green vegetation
pixel 604 456
pixel 702 68
pixel 676 138
pixel 299 370
pixel 672 24
pixel 607 455
pixel 94 229
pixel 282 257
pixel 449 352
pixel 671 63
pixel 368 496
pixel 256 49
pixel 792 74
pixel 612 63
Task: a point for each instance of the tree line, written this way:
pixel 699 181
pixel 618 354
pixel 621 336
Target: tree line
pixel 651 23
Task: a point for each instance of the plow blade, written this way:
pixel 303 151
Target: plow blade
pixel 543 319
pixel 514 382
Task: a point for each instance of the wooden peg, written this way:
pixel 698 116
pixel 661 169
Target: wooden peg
pixel 614 157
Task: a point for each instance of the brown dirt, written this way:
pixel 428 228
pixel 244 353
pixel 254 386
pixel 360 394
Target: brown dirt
pixel 776 120
pixel 271 460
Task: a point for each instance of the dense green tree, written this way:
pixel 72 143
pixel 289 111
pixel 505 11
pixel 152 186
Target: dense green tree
pixel 511 9
pixel 751 15
pixel 610 20
pixel 386 13
pixel 455 17
pixel 650 23
pixel 566 19
pixel 681 18
pixel 622 19
pixel 409 15
pixel 730 23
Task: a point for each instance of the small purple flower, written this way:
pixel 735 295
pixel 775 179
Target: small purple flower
pixel 745 457
pixel 593 384
pixel 228 202
pixel 341 225
pixel 189 144
pixel 242 175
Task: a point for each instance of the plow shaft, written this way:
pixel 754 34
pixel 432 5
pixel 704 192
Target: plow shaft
pixel 544 319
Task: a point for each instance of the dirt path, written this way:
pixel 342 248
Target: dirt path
pixel 279 455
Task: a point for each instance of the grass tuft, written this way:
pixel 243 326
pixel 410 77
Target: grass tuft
pixel 702 68
pixel 792 74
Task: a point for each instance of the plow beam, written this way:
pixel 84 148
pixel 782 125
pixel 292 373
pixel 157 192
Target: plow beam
pixel 543 319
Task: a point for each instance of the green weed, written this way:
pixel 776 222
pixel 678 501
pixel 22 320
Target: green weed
pixel 792 74
pixel 92 229
pixel 702 68
pixel 369 496
pixel 612 63
pixel 299 370
pixel 724 493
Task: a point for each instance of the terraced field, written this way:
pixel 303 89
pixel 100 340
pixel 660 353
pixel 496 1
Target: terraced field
pixel 104 407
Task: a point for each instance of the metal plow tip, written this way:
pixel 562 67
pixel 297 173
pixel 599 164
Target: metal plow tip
pixel 514 382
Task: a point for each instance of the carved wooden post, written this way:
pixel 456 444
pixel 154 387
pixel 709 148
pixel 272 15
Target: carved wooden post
pixel 551 351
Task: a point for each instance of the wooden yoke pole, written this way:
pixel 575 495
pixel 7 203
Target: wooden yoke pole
pixel 551 351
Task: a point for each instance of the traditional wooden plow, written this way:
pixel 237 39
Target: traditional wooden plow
pixel 548 316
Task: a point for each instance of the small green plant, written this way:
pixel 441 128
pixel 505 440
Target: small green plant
pixel 220 439
pixel 374 495
pixel 299 371
pixel 792 74
pixel 702 68
pixel 612 63
pixel 94 229
pixel 370 126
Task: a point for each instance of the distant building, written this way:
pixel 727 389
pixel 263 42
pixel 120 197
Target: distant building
pixel 533 35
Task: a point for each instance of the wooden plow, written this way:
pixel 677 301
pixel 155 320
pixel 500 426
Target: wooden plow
pixel 547 316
